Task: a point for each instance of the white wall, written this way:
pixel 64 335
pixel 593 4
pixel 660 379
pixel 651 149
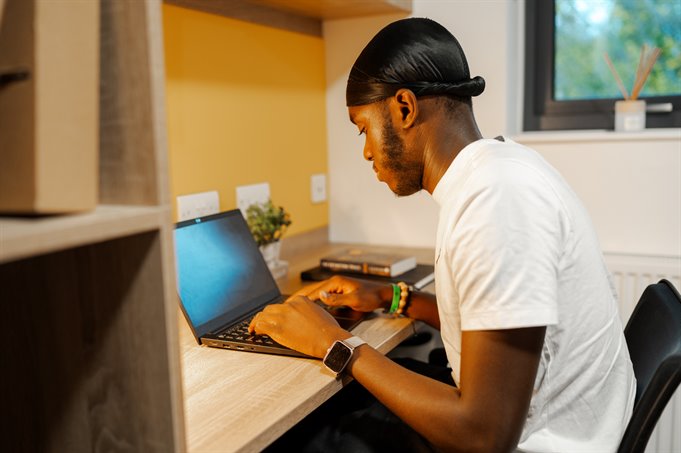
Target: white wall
pixel 361 209
pixel 631 184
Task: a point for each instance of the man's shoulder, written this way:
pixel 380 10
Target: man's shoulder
pixel 507 165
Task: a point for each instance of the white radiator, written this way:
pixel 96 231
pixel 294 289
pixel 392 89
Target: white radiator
pixel 631 275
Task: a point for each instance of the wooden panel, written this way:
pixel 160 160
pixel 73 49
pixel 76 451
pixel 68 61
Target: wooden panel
pixel 172 335
pixel 128 165
pixel 339 9
pixel 21 237
pixel 157 93
pixel 251 12
pixel 84 359
pixel 302 16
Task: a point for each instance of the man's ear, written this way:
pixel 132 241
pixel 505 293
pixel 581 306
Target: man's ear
pixel 406 103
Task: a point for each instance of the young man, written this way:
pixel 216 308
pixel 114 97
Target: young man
pixel 523 299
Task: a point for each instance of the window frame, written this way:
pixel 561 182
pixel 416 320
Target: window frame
pixel 542 112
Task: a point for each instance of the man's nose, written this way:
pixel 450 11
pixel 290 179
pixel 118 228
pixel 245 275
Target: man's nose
pixel 367 153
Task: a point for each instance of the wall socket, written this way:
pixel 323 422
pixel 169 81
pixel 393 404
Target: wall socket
pixel 251 194
pixel 318 188
pixel 197 205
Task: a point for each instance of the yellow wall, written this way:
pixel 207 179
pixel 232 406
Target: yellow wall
pixel 246 104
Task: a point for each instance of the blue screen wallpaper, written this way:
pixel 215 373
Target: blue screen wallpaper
pixel 220 270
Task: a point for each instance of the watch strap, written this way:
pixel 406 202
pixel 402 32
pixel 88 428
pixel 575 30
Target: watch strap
pixel 354 342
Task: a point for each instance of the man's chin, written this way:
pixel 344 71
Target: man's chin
pixel 401 192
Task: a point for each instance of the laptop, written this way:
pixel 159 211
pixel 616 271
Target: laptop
pixel 223 281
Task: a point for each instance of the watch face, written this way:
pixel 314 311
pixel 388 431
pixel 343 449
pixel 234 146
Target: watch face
pixel 338 357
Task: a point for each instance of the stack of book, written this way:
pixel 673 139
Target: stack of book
pixel 362 262
pixel 372 265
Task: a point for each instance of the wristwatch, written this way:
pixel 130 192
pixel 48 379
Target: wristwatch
pixel 339 354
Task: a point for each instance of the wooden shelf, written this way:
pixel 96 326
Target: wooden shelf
pixel 90 297
pixel 302 16
pixel 25 237
pixel 99 368
pixel 337 9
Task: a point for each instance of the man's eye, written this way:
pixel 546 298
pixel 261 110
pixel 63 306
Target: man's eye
pixel 363 131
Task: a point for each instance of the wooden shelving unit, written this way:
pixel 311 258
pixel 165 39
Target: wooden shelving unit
pixel 89 337
pixel 88 315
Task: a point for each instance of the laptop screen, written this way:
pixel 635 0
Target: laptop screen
pixel 221 274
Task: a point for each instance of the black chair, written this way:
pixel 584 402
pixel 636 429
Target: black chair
pixel 653 336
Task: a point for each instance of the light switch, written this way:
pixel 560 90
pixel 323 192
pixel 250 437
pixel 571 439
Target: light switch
pixel 318 188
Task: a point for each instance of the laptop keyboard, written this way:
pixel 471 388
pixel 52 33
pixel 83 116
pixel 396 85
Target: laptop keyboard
pixel 239 332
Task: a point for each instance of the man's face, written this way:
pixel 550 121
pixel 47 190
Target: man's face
pixel 386 149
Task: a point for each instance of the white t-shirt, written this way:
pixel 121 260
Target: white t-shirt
pixel 516 248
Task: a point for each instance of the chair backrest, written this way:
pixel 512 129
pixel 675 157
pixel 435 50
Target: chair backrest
pixel 653 336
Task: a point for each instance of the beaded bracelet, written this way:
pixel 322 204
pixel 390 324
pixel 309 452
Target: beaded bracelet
pixel 404 299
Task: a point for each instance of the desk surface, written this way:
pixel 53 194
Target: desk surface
pixel 240 401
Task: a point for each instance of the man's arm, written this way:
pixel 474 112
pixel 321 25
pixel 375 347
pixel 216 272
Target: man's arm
pixel 423 307
pixel 486 413
pixel 362 295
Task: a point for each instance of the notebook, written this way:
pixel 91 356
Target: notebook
pixel 420 277
pixel 223 281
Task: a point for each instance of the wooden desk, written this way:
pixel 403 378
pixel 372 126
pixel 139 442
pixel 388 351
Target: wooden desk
pixel 240 401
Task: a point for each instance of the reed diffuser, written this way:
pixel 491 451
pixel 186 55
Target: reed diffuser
pixel 630 113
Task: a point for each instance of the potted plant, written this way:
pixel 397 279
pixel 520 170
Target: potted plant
pixel 268 223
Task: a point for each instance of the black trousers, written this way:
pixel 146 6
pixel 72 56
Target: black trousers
pixel 354 421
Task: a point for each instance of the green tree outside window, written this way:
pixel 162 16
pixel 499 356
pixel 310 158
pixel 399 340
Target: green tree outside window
pixel 586 29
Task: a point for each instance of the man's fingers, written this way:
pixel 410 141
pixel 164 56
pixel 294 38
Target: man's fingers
pixel 251 326
pixel 307 290
pixel 330 298
pixel 311 292
pixel 262 324
pixel 329 290
pixel 297 298
pixel 268 317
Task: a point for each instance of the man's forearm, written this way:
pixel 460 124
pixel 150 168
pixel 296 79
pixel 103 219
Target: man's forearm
pixel 423 306
pixel 429 407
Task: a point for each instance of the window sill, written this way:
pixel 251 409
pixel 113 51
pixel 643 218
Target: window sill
pixel 647 135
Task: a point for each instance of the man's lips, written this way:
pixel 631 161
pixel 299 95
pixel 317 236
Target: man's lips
pixel 378 175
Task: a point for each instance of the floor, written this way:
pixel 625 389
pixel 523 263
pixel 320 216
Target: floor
pixel 419 346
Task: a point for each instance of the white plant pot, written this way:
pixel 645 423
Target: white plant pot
pixel 271 253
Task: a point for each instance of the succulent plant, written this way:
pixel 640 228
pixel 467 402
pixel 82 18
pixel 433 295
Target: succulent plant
pixel 267 222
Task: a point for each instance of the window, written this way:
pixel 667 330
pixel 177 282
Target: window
pixel 568 84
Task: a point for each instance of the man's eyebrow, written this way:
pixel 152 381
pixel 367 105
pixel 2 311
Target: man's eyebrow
pixel 352 119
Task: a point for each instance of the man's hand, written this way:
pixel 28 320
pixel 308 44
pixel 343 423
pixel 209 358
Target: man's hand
pixel 299 324
pixel 357 294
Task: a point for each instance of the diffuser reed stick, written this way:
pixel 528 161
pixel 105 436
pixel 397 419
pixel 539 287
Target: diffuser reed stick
pixel 643 71
pixel 646 62
pixel 620 85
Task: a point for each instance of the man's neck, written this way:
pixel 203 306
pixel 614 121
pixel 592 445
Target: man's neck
pixel 445 142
